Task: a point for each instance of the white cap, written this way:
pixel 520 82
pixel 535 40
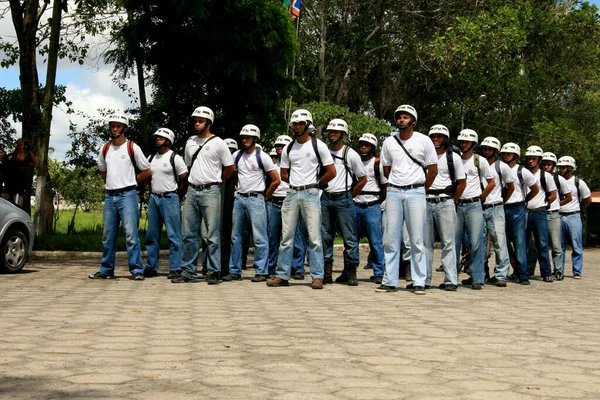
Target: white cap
pixel 283 140
pixel 407 109
pixel 119 117
pixel 534 151
pixel 441 129
pixel 547 156
pixel 511 148
pixel 369 138
pixel 338 124
pixel 166 133
pixel 250 130
pixel 204 112
pixel 273 152
pixel 566 161
pixel 492 142
pixel 232 144
pixel 301 115
pixel 468 135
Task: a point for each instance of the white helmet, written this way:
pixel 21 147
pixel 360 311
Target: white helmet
pixel 250 130
pixel 119 117
pixel 232 144
pixel 492 142
pixel 441 129
pixel 534 151
pixel 369 138
pixel 166 133
pixel 566 161
pixel 407 109
pixel 300 116
pixel 338 125
pixel 511 148
pixel 204 112
pixel 468 135
pixel 258 146
pixel 547 156
pixel 283 140
pixel 273 152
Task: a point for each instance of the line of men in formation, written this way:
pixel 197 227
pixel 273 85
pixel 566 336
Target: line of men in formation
pixel 295 199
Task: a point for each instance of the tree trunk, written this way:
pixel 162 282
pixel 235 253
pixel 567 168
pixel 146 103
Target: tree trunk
pixel 323 50
pixel 43 195
pixel 25 20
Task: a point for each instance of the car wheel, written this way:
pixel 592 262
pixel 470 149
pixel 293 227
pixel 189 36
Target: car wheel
pixel 13 251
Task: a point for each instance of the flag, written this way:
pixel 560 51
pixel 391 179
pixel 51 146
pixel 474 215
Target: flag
pixel 296 8
pixel 287 3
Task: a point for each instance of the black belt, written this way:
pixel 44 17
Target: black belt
pixel 553 212
pixel 436 200
pixel 538 209
pixel 367 204
pixel 122 190
pixel 250 194
pixel 514 205
pixel 205 186
pixel 408 186
pixel 471 200
pixel 437 192
pixel 277 200
pixel 165 194
pixel 564 214
pixel 486 206
pixel 305 187
pixel 337 195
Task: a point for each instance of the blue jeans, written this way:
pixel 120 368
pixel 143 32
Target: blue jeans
pixel 306 203
pixel 537 225
pixel 165 211
pixel 300 246
pixel 368 223
pixel 404 206
pixel 249 210
pixel 495 227
pixel 121 208
pixel 572 230
pixel 339 214
pixel 555 241
pixel 515 233
pixel 274 231
pixel 442 217
pixel 201 215
pixel 470 220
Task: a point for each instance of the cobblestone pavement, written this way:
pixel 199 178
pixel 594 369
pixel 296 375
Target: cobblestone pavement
pixel 63 335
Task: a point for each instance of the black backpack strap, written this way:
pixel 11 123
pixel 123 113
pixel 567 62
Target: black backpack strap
pixel 173 166
pixel 237 159
pixel 577 187
pixel 376 166
pixel 499 172
pixel 259 161
pixel 198 151
pixel 408 154
pixel 557 184
pixel 451 171
pixel 543 181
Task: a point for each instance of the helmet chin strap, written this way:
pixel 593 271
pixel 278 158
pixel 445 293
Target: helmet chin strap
pixel 118 135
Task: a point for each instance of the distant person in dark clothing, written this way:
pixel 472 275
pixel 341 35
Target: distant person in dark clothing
pixel 17 169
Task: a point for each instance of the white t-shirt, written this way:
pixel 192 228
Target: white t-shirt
pixel 303 163
pixel 283 187
pixel 371 185
pixel 163 179
pixel 343 179
pixel 579 194
pixel 508 176
pixel 119 169
pixel 562 190
pixel 443 180
pixel 474 179
pixel 208 165
pixel 528 180
pixel 250 177
pixel 540 199
pixel 404 171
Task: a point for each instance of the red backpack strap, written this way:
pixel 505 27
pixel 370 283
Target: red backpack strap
pixel 105 149
pixel 130 150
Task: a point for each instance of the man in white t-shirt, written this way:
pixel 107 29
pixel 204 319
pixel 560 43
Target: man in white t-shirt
pixel 249 209
pixel 537 213
pixel 564 197
pixel 337 209
pixel 168 170
pixel 470 221
pixel 442 197
pixel 301 162
pixel 493 208
pixel 570 214
pixel 275 202
pixel 367 205
pixel 515 211
pixel 410 166
pixel 210 163
pixel 117 163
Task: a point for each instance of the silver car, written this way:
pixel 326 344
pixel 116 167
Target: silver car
pixel 16 237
